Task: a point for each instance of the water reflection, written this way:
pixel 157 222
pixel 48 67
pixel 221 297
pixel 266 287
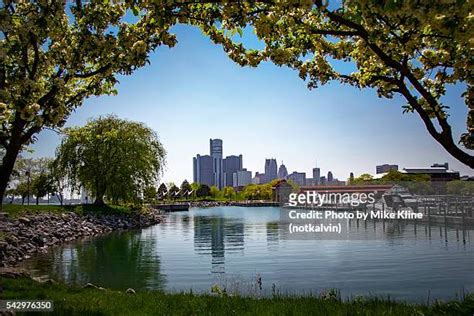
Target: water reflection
pixel 117 260
pixel 195 249
pixel 215 236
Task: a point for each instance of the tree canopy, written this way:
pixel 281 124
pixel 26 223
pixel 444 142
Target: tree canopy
pixel 173 192
pixel 203 190
pixel 111 158
pixel 55 54
pixel 162 191
pixel 41 185
pixel 415 49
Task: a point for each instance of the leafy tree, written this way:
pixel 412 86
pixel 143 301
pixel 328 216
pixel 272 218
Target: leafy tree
pixel 150 194
pixel 203 190
pixel 58 180
pixel 414 49
pixel 194 187
pixel 26 170
pixel 111 158
pixel 459 187
pixel 29 168
pixel 228 192
pixel 173 192
pixel 394 176
pixel 55 54
pixel 40 186
pixel 162 191
pixel 215 192
pixel 364 178
pixel 185 188
pixel 257 192
pixel 22 190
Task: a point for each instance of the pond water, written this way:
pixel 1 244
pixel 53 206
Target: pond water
pixel 247 250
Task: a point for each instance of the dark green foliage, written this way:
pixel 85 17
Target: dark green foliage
pixel 203 190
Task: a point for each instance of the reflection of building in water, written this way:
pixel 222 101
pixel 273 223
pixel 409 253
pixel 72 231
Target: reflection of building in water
pixel 215 235
pixel 273 234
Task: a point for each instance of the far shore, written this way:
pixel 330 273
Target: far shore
pixel 211 203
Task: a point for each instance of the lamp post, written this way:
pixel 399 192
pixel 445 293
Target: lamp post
pixel 28 186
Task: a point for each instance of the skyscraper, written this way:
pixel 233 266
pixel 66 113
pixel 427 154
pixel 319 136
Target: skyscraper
pixel 316 176
pixel 282 171
pixel 270 169
pixel 241 178
pixel 330 177
pixel 298 177
pixel 231 165
pixel 215 146
pixel 203 170
pixel 259 178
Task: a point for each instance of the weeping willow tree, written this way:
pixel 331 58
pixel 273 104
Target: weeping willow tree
pixel 111 158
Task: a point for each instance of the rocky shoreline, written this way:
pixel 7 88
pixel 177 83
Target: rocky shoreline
pixel 22 237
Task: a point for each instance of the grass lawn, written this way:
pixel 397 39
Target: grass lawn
pixel 78 301
pixel 17 210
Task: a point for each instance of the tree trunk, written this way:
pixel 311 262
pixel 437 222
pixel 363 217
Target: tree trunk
pixel 100 189
pixel 99 200
pixel 6 168
pixel 37 200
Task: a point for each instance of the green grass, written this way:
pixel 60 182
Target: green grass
pixel 78 301
pixel 17 210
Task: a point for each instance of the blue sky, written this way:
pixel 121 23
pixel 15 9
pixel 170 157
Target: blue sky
pixel 194 92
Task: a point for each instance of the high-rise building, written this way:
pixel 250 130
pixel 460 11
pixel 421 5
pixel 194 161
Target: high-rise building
pixel 282 171
pixel 316 175
pixel 203 170
pixel 259 178
pixel 330 177
pixel 323 180
pixel 270 170
pixel 215 146
pixel 385 168
pixel 231 165
pixel 298 177
pixel 242 178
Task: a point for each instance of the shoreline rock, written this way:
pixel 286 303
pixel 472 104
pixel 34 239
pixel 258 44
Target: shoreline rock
pixel 34 233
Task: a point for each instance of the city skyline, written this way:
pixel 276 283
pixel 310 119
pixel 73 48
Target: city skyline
pixel 215 170
pixel 266 108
